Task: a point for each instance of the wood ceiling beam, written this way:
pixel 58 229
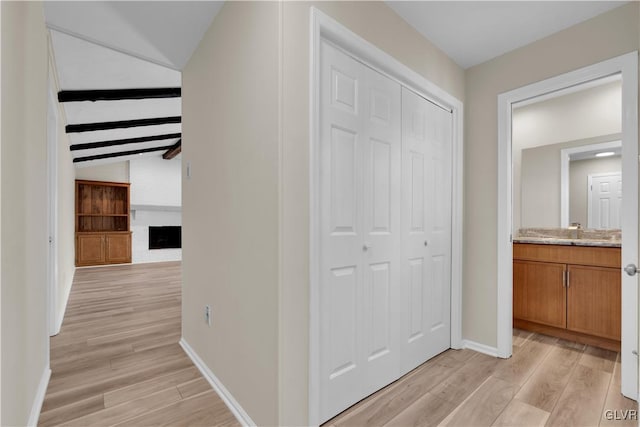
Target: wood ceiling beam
pixel 89 127
pixel 102 144
pixel 173 151
pixel 120 154
pixel 118 94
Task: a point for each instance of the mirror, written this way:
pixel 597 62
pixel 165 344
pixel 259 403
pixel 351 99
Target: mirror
pixel 566 159
pixel 591 186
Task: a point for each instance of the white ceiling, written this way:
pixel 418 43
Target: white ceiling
pixel 163 32
pixel 472 32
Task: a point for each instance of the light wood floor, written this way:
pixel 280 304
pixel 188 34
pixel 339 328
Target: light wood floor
pixel 117 360
pixel 547 382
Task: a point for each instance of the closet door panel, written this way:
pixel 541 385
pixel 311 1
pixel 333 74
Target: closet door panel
pixel 381 220
pixel 426 225
pixel 341 230
pixel 439 136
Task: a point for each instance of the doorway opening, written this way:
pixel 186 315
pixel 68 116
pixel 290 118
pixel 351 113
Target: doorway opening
pixel 513 213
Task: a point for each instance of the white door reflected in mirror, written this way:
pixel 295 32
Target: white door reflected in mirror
pixel 605 198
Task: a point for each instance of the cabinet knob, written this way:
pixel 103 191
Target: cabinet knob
pixel 366 246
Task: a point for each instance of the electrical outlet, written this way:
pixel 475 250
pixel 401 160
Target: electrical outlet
pixel 207 314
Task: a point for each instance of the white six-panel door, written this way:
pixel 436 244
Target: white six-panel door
pixel 364 297
pixel 426 228
pixel 604 200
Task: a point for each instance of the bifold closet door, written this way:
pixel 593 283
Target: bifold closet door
pixel 426 229
pixel 360 159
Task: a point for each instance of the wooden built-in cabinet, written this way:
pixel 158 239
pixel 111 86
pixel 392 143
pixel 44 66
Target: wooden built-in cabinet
pixel 573 292
pixel 102 223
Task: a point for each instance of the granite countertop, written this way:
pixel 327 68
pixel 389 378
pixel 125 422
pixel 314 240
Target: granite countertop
pixel 566 237
pixel 568 242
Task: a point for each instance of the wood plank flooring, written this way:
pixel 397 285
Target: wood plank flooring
pixel 547 382
pixel 117 360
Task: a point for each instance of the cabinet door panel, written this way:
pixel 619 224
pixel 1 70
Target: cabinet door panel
pixel 90 249
pixel 594 304
pixel 118 248
pixel 538 293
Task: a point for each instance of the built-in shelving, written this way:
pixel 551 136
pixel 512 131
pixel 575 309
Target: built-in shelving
pixel 102 223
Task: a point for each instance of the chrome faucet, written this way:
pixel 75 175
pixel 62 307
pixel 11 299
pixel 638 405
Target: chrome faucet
pixel 575 230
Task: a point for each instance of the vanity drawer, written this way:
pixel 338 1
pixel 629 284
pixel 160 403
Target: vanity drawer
pixel 578 255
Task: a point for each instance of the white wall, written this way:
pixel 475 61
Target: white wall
pixel 110 172
pixel 605 36
pixel 156 200
pixel 155 181
pixel 25 339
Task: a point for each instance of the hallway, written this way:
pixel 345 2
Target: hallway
pixel 117 360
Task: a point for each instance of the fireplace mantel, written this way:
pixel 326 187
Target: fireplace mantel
pixel 165 208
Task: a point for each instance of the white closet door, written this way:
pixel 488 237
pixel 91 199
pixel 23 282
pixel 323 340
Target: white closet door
pixel 341 231
pixel 426 224
pixel 359 231
pixel 604 199
pixel 382 284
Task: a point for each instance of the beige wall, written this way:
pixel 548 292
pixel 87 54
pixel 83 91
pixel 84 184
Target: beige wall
pixel 230 204
pixel 608 35
pixel 579 171
pixel 378 24
pixel 245 209
pixel 580 115
pixel 24 207
pixel 65 239
pixel 113 172
pixel 540 183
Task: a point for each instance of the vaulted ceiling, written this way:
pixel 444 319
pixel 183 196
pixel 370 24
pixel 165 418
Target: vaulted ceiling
pixel 117 107
pixel 118 66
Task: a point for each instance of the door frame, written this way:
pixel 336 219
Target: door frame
pixel 627 66
pixel 324 27
pixel 52 211
pixel 565 159
pixel 590 191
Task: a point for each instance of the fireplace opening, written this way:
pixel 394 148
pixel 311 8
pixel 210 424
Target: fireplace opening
pixel 165 237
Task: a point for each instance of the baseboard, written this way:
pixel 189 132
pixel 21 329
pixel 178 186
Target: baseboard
pixel 217 385
pixel 38 400
pixel 480 348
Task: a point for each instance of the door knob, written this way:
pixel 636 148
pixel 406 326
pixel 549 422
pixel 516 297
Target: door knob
pixel 366 246
pixel 631 269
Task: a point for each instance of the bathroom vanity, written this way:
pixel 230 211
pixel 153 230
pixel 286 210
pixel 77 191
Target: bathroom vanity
pixel 569 288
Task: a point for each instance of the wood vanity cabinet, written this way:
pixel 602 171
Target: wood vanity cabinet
pixel 102 223
pixel 538 293
pixel 573 292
